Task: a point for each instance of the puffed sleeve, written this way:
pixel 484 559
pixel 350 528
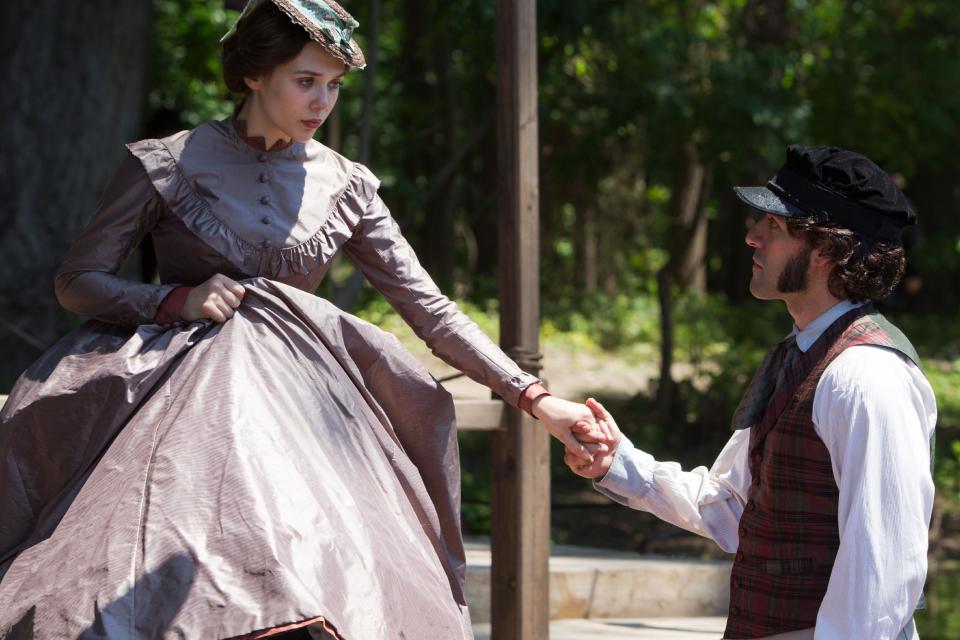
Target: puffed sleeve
pixel 86 282
pixel 390 265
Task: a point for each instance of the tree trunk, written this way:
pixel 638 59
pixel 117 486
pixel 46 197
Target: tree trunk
pixel 687 242
pixel 686 266
pixel 440 211
pixel 586 249
pixel 766 21
pixel 371 53
pixel 731 228
pixel 75 86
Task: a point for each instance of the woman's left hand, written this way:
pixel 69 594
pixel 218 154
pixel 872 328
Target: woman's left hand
pixel 559 417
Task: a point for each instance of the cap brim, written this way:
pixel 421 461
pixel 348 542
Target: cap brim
pixel 763 199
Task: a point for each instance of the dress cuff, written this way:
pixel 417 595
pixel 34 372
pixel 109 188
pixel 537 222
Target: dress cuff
pixel 171 309
pixel 530 394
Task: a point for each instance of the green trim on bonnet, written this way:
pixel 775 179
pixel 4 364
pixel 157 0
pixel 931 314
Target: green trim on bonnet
pixel 327 24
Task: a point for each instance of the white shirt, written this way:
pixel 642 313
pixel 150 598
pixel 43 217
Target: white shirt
pixel 875 412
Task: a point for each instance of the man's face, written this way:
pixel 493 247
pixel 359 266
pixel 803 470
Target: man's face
pixel 781 262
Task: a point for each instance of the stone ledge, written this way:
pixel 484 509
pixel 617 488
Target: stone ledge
pixel 696 628
pixel 595 583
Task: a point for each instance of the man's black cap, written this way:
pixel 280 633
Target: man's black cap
pixel 829 184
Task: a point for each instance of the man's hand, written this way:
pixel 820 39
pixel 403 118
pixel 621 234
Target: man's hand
pixel 602 448
pixel 559 417
pixel 214 299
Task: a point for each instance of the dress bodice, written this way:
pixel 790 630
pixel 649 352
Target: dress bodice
pixel 235 209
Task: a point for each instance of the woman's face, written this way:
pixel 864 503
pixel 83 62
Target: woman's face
pixel 294 99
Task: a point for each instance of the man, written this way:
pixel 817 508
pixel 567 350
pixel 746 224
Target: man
pixel 824 491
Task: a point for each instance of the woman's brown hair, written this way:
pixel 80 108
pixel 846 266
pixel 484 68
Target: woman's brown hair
pixel 263 40
pixel 864 268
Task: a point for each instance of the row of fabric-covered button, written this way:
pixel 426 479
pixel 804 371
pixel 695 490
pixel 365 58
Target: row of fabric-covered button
pixel 263 178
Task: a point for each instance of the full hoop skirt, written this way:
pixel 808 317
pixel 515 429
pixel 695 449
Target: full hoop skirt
pixel 212 480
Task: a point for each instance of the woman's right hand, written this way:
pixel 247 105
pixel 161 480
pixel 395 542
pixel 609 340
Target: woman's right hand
pixel 560 417
pixel 214 299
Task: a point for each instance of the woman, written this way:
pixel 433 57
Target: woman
pixel 225 454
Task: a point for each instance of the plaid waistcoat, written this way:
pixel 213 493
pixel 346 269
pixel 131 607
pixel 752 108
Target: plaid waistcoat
pixel 789 534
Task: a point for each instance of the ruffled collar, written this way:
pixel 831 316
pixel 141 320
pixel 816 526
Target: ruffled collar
pixel 258 142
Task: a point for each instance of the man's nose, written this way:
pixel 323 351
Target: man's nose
pixel 753 234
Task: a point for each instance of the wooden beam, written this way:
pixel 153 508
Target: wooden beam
pixel 520 500
pixel 479 415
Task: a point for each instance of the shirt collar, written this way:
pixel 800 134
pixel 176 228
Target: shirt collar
pixel 815 329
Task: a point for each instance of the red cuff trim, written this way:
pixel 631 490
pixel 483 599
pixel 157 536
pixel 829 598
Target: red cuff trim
pixel 530 394
pixel 171 309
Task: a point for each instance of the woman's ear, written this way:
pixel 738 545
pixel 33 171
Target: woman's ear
pixel 254 84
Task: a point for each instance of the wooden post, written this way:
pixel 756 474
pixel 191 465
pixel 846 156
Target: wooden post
pixel 520 537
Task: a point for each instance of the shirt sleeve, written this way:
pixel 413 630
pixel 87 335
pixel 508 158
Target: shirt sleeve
pixel 875 412
pixel 86 282
pixel 388 262
pixel 706 502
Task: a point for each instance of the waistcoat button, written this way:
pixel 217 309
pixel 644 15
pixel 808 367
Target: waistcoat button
pixel 262 178
pixel 265 220
pixel 262 157
pixel 264 199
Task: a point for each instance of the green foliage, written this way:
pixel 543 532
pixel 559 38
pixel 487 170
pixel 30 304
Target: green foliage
pixel 186 60
pixel 379 312
pixel 944 377
pixel 625 321
pixel 941 620
pixel 946 473
pixel 475 483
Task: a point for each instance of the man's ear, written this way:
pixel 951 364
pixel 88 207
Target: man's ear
pixel 821 261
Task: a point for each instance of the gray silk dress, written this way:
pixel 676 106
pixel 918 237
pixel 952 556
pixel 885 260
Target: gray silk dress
pixel 203 480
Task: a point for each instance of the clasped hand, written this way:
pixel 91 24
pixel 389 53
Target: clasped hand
pixel 599 438
pixel 572 424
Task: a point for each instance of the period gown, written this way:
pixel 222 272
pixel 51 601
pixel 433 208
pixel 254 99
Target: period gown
pixel 205 480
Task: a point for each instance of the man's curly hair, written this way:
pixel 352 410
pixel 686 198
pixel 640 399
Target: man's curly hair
pixel 865 269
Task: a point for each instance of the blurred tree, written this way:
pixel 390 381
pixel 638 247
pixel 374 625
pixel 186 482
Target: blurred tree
pixel 75 94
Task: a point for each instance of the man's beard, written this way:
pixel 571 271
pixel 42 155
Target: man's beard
pixel 793 278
